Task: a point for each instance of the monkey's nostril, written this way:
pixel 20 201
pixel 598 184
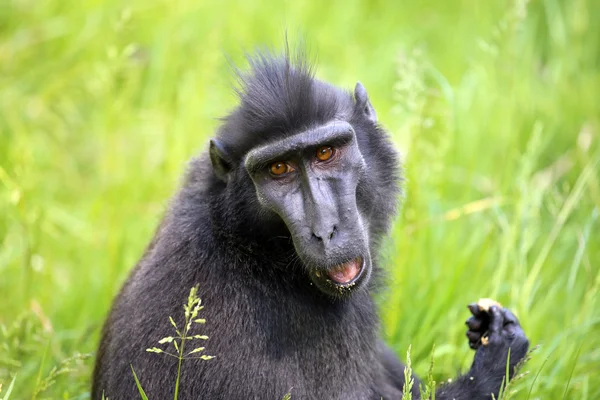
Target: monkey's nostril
pixel 326 236
pixel 333 232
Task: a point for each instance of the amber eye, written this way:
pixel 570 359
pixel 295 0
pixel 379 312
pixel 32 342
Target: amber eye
pixel 324 153
pixel 279 168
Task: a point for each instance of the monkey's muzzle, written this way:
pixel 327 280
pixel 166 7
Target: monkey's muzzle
pixel 342 279
pixel 347 273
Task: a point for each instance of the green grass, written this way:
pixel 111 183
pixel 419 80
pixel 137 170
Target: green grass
pixel 495 105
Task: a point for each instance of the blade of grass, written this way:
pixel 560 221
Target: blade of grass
pixel 139 385
pixel 535 378
pixel 10 388
pixel 572 371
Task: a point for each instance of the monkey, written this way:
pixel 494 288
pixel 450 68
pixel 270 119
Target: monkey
pixel 280 222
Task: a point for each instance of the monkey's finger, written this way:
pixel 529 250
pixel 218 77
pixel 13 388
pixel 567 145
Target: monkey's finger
pixel 496 320
pixel 509 317
pixel 473 336
pixel 474 308
pixel 475 345
pixel 511 324
pixel 474 324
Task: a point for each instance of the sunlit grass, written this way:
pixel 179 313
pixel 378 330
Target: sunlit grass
pixel 495 105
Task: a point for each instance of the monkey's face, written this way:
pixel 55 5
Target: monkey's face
pixel 310 180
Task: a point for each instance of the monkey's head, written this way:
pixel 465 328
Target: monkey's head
pixel 318 163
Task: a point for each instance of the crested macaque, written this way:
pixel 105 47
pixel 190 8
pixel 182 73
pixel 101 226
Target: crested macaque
pixel 279 222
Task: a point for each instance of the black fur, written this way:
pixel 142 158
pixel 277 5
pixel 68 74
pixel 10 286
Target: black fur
pixel 272 332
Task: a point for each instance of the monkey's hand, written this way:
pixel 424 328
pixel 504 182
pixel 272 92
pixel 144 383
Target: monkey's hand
pixel 494 330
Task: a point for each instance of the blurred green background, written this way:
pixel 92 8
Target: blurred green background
pixel 495 105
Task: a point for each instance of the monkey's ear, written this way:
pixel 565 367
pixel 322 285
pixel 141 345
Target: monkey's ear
pixel 221 161
pixel 363 104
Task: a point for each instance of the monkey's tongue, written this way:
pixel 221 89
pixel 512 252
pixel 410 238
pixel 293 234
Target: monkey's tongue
pixel 346 272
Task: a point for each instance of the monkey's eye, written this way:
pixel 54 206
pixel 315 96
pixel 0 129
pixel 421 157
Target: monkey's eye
pixel 324 153
pixel 279 168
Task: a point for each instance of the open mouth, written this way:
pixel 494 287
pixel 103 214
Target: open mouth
pixel 344 275
pixel 347 273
